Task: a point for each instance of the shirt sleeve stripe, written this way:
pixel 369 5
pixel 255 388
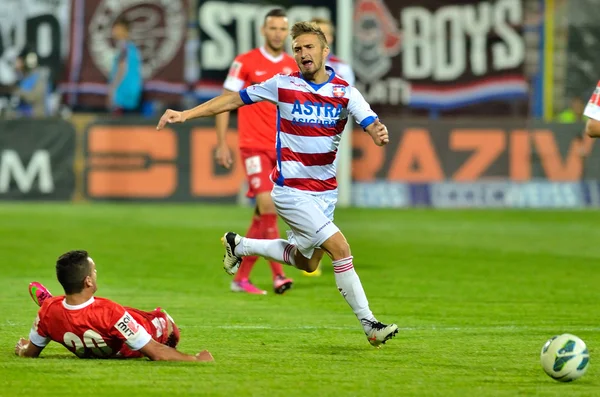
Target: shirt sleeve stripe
pixel 368 121
pixel 245 97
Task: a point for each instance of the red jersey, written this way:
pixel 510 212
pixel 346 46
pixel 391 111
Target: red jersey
pixel 97 328
pixel 257 124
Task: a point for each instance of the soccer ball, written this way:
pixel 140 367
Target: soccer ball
pixel 565 357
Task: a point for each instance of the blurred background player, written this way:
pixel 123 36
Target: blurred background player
pixel 256 131
pixel 92 327
pixel 342 69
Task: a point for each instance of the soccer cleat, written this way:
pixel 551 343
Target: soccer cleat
pixel 39 293
pixel 282 284
pixel 247 287
pixel 231 262
pixel 379 333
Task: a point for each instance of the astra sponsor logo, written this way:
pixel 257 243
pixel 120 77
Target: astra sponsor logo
pixel 318 109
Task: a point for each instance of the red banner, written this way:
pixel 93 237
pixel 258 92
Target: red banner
pixel 158 29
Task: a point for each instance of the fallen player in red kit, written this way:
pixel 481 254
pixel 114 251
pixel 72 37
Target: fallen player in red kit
pixel 93 327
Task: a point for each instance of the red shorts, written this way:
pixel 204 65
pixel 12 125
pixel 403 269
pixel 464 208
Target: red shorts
pixel 258 165
pixel 164 331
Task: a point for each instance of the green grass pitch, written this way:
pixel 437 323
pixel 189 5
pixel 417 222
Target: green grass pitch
pixel 475 293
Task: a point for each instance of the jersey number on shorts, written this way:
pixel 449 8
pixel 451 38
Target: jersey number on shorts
pixel 92 341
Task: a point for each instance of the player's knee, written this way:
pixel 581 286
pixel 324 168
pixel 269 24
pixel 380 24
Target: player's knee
pixel 337 247
pixel 338 251
pixel 268 208
pixel 343 250
pixel 265 204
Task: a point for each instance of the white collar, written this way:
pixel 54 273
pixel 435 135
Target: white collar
pixel 271 57
pixel 77 307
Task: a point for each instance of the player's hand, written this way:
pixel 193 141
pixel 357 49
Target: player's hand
pixel 223 156
pixel 21 346
pixel 204 355
pixel 170 116
pixel 379 133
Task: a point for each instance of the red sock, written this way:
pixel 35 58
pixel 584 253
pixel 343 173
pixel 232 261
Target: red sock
pixel 248 262
pixel 270 231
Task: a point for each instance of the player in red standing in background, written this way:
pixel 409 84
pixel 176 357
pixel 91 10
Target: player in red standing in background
pixel 256 126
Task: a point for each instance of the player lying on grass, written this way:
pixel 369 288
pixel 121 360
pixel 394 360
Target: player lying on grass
pixel 92 327
pixel 313 107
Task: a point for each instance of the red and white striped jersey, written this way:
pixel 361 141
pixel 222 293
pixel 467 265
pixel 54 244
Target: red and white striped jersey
pixel 592 109
pixel 256 124
pixel 310 122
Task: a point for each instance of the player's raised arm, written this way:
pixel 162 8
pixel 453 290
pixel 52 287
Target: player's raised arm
pixel 266 91
pixel 223 103
pixel 367 118
pixel 378 132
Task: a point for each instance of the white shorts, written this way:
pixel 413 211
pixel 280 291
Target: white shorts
pixel 310 216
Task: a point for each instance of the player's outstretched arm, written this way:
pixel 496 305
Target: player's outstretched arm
pixel 378 132
pixel 158 352
pixel 223 103
pixel 24 348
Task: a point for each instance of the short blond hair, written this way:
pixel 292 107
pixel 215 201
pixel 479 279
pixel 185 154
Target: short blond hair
pixel 306 27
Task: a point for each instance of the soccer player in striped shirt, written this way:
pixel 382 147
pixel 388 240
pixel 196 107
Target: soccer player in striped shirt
pixel 256 125
pixel 341 69
pixel 312 109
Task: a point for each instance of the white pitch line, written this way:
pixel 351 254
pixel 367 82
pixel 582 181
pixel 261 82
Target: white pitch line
pixel 409 329
pixel 500 328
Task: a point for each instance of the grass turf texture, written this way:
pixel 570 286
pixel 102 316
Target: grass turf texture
pixel 475 293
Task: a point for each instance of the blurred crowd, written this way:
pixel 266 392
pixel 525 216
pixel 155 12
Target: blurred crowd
pixel 32 89
pixel 34 93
